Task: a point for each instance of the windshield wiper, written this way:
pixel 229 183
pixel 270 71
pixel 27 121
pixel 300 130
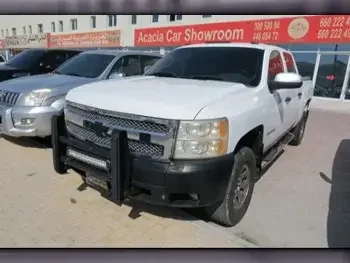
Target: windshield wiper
pixel 203 77
pixel 163 74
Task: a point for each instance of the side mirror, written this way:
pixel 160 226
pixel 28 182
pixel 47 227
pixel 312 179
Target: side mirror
pixel 286 81
pixel 116 75
pixel 147 68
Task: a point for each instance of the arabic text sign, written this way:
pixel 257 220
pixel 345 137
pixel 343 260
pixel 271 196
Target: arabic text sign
pixel 27 41
pixel 89 39
pixel 308 29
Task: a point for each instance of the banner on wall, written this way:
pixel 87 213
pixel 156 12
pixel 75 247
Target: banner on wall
pixel 27 41
pixel 86 40
pixel 308 29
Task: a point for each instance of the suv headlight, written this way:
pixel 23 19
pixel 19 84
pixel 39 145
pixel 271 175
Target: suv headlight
pixel 202 139
pixel 35 98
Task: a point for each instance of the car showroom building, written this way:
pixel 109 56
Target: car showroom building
pixel 320 44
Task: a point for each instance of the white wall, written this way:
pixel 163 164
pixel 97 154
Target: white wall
pixel 123 23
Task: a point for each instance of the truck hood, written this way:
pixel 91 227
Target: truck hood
pixel 167 98
pixel 30 83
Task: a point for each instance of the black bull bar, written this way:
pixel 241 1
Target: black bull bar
pixel 117 174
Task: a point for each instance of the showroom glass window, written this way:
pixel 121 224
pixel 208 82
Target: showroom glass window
pixel 305 63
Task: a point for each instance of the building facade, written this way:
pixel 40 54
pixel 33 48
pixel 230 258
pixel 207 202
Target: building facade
pixel 63 24
pixel 320 44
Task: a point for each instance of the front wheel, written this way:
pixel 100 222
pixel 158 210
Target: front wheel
pixel 239 191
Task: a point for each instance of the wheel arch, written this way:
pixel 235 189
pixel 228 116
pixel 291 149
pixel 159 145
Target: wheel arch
pixel 253 140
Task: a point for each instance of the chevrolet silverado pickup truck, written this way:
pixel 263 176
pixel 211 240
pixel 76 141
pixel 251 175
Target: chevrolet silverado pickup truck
pixel 195 131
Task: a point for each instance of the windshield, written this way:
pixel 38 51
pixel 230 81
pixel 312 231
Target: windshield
pixel 26 59
pixel 230 64
pixel 86 65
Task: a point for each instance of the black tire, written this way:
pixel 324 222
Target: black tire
pixel 225 213
pixel 338 221
pixel 299 130
pixel 57 122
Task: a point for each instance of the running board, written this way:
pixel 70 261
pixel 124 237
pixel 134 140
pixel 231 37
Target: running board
pixel 276 150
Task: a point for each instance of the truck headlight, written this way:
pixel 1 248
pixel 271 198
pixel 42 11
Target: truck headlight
pixel 202 139
pixel 35 98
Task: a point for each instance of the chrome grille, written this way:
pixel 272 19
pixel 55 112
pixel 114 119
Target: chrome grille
pixel 119 122
pixel 135 146
pixel 7 97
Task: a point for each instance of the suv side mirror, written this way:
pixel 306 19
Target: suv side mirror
pixel 286 81
pixel 116 75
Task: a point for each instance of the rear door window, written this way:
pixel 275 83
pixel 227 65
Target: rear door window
pixel 148 61
pixel 289 62
pixel 130 65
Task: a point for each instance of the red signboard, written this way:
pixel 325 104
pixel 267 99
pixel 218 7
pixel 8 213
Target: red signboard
pixel 89 39
pixel 302 29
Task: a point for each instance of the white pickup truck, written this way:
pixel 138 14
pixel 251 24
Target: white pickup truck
pixel 195 131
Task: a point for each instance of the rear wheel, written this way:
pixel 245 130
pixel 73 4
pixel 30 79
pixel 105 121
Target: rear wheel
pixel 299 130
pixel 239 191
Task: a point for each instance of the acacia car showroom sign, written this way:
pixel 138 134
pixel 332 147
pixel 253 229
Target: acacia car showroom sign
pixel 302 29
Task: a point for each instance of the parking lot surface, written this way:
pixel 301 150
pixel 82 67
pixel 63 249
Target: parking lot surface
pixel 289 207
pixel 40 208
pixel 290 202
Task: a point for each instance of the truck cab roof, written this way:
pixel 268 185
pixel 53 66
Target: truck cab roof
pixel 242 45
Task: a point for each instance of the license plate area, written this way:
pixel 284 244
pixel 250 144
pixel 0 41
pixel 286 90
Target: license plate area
pixel 96 182
pixel 91 158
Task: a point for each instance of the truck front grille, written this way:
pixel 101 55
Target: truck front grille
pixel 147 149
pixel 9 98
pixel 157 144
pixel 119 122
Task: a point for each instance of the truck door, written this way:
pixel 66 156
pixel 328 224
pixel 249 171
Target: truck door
pixel 297 93
pixel 279 111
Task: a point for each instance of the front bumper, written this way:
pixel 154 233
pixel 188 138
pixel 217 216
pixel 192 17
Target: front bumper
pixel 190 183
pixel 10 123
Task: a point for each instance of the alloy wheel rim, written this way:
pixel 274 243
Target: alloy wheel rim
pixel 242 187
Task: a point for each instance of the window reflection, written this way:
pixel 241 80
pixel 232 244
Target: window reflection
pixel 328 47
pixel 344 47
pixel 330 76
pixel 304 47
pixel 306 63
pixel 285 46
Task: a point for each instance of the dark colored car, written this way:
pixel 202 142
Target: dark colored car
pixel 34 62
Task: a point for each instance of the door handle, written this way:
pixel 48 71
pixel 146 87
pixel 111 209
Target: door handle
pixel 299 95
pixel 288 99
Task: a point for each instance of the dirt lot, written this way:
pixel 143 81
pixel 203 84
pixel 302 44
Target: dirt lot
pixel 290 203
